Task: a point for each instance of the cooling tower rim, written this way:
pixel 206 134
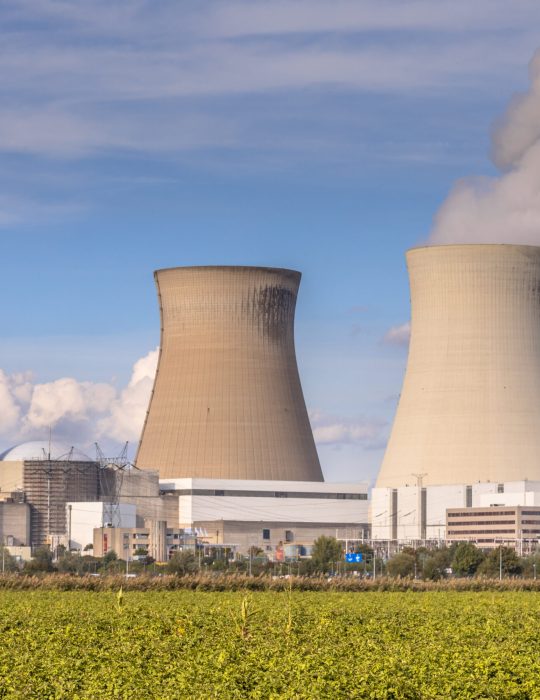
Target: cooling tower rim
pixel 231 268
pixel 438 246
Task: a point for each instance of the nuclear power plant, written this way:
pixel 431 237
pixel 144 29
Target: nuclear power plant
pixel 227 401
pixel 227 456
pixel 467 427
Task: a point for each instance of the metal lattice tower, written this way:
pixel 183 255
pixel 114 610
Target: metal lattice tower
pixel 111 476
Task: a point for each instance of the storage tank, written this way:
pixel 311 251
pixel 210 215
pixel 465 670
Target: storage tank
pixel 469 410
pixel 227 401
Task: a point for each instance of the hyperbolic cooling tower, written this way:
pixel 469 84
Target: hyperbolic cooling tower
pixel 227 401
pixel 470 405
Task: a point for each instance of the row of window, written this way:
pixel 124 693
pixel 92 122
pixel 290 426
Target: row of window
pixel 479 513
pixel 492 512
pixel 289 535
pixel 481 532
pixel 483 522
pixel 272 494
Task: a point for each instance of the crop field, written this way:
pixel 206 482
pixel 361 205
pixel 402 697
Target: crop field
pixel 188 644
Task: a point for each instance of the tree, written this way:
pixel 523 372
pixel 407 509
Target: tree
pixel 531 565
pixel 182 562
pixel 466 560
pixel 7 562
pixel 70 563
pixel 326 551
pixel 41 561
pixel 436 562
pixel 401 565
pixel 491 566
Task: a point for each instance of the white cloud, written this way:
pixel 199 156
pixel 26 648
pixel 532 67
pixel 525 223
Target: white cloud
pixel 504 209
pixel 398 335
pixel 332 430
pixel 127 411
pixel 78 412
pixel 81 78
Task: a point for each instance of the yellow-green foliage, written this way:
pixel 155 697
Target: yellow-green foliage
pixel 232 645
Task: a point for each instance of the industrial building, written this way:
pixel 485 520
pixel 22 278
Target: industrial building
pixel 266 513
pixel 414 514
pixel 517 526
pixel 154 539
pixel 46 477
pixel 469 410
pixel 227 401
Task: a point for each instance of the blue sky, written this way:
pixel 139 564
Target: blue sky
pixel 313 135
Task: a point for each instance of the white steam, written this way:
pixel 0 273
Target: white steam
pixel 77 412
pixel 504 209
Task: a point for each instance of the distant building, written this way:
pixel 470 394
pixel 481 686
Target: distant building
pixel 413 514
pixel 267 513
pixel 46 477
pixel 514 526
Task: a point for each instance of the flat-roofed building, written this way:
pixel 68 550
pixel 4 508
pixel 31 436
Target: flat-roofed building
pixel 493 526
pixel 266 513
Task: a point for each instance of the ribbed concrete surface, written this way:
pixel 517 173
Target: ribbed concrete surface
pixel 227 401
pixel 470 405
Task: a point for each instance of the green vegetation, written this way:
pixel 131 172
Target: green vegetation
pixel 198 645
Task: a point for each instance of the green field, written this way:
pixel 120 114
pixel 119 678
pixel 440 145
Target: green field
pixel 184 644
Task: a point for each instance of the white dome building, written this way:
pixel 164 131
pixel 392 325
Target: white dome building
pixel 43 450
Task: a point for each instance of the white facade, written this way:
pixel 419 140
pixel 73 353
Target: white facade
pixel 410 513
pixel 469 410
pixel 270 501
pixel 82 517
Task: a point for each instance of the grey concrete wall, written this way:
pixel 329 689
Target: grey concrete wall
pixel 470 406
pixel 15 522
pixel 227 401
pixel 247 534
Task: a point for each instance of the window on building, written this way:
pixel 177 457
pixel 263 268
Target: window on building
pixel 289 536
pixel 219 492
pixel 281 494
pixel 266 534
pixel 500 488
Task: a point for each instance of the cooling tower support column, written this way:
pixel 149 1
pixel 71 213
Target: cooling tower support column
pixel 470 405
pixel 227 401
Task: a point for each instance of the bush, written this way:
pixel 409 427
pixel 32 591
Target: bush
pixel 466 560
pixel 401 565
pixel 182 563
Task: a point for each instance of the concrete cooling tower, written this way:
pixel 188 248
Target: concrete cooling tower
pixel 227 401
pixel 470 405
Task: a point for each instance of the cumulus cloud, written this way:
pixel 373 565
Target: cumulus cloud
pixel 127 411
pixel 398 335
pixel 504 209
pixel 78 412
pixel 332 430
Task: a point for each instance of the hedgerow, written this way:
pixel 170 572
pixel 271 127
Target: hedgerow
pixel 240 582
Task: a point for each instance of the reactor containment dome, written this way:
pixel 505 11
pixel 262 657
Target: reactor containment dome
pixel 469 410
pixel 227 401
